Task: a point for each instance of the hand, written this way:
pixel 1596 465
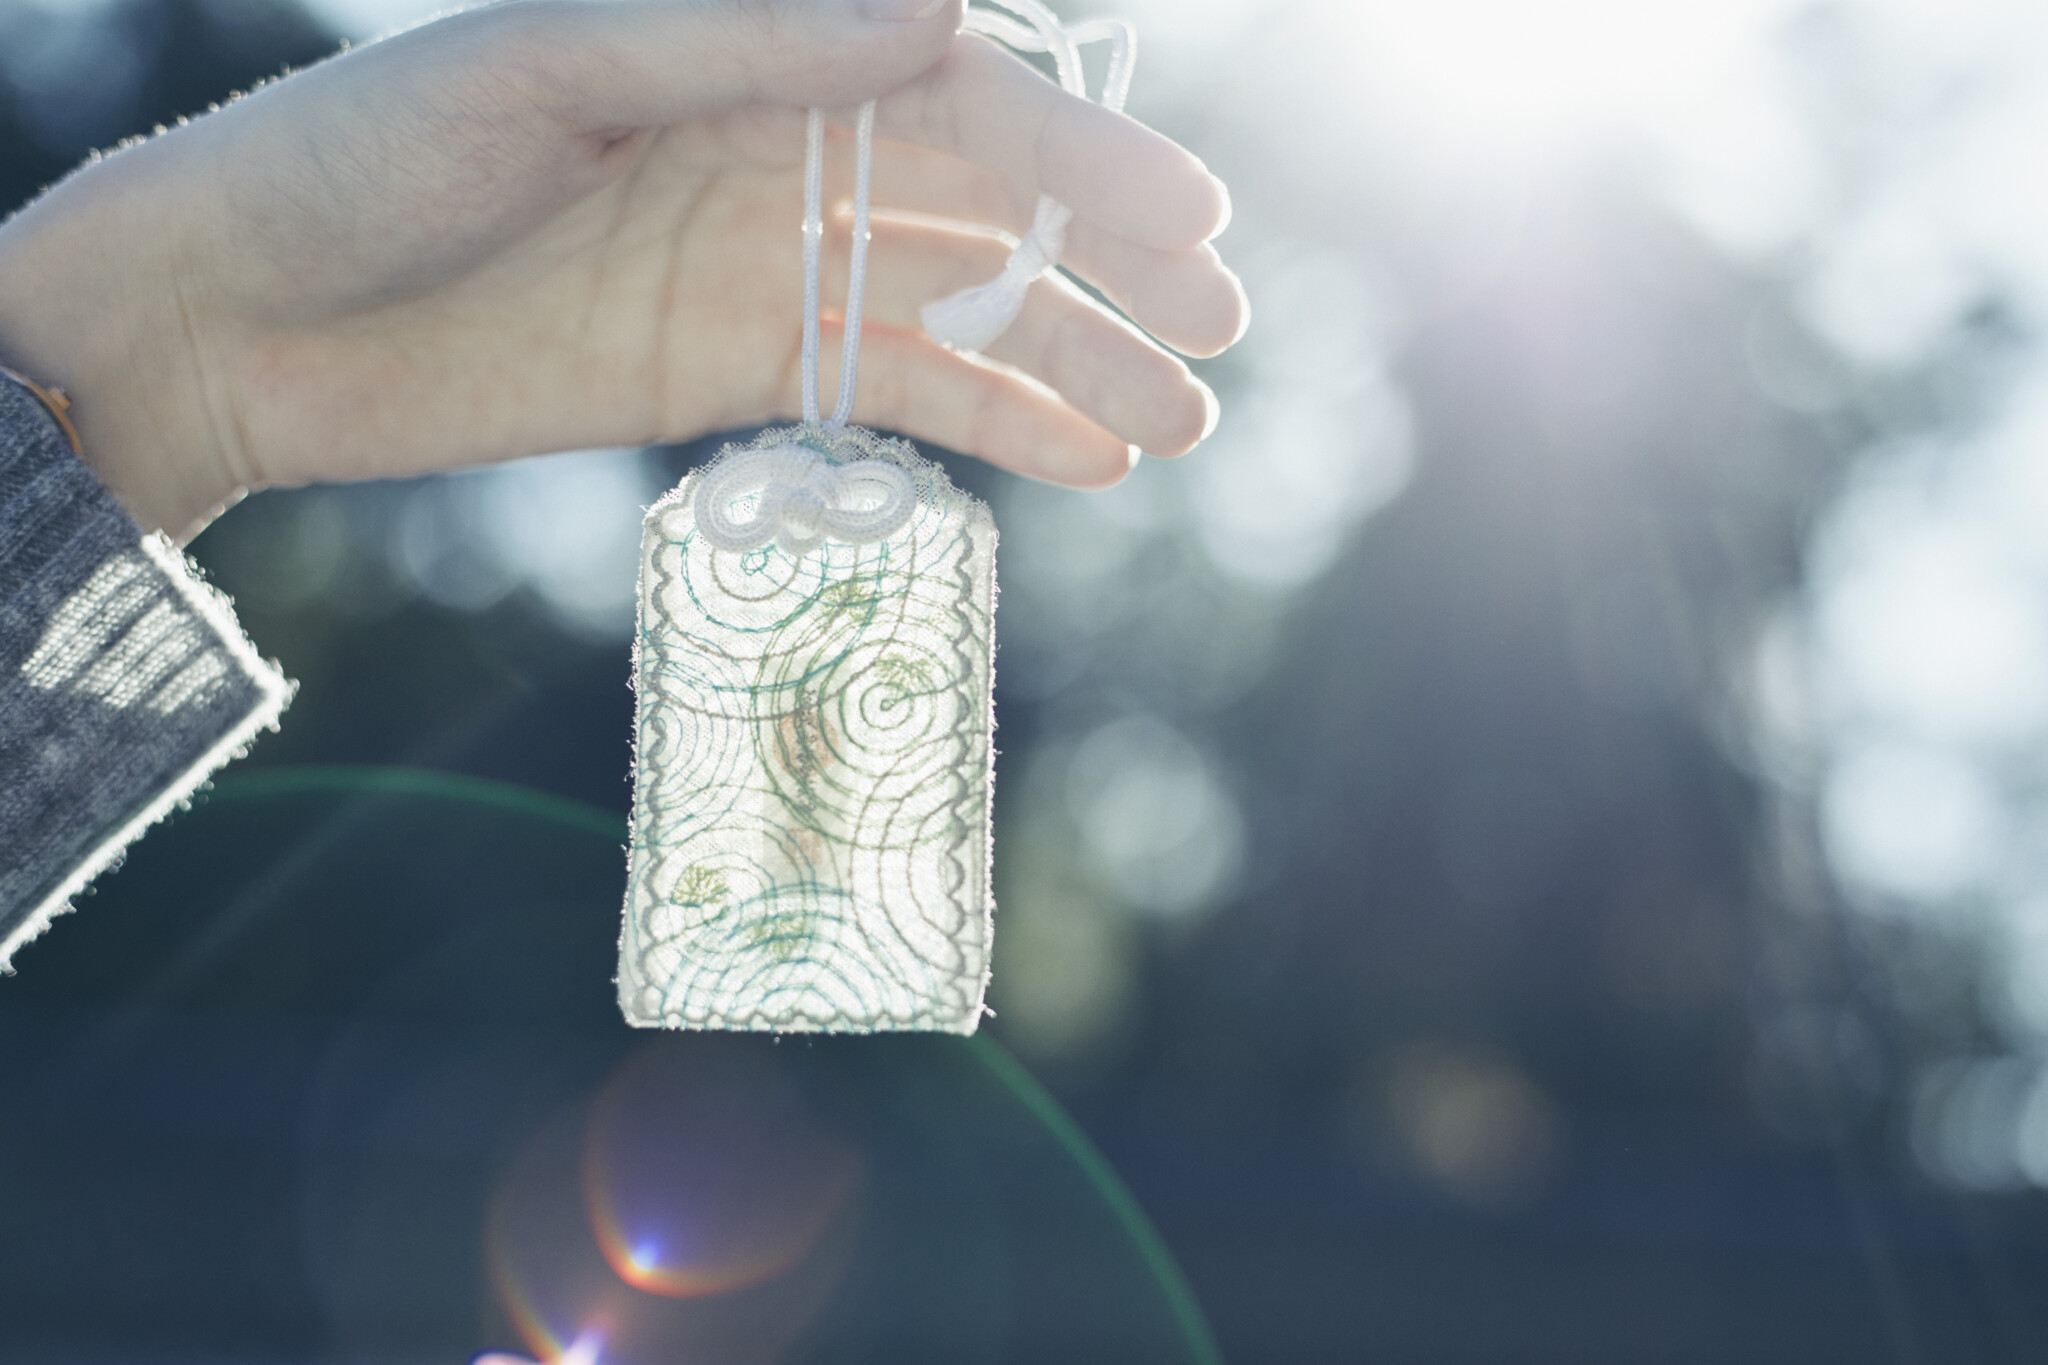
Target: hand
pixel 553 224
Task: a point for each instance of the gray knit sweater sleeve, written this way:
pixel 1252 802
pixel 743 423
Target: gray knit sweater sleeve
pixel 124 680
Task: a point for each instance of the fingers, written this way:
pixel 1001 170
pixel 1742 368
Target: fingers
pixel 632 64
pixel 608 69
pixel 1097 363
pixel 1188 298
pixel 986 107
pixel 911 385
pixel 1102 366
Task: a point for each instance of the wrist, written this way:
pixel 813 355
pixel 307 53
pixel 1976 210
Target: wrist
pixel 55 402
pixel 89 305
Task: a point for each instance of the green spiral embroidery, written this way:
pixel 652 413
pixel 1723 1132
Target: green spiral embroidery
pixel 810 829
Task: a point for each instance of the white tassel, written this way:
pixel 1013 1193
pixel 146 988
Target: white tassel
pixel 972 319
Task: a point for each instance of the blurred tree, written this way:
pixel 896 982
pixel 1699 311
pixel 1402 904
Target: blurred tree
pixel 78 78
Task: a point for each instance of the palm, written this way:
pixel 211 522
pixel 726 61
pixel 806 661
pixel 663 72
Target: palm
pixel 662 303
pixel 522 229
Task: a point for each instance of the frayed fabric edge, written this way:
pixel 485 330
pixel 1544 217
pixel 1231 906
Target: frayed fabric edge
pixel 275 694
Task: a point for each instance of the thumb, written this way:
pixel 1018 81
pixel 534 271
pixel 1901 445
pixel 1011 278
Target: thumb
pixel 638 63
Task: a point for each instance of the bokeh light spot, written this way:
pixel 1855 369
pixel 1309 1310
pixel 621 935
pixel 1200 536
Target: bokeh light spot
pixel 705 1179
pixel 698 1207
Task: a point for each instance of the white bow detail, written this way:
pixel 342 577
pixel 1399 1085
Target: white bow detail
pixel 801 499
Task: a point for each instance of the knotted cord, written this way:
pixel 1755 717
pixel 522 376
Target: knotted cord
pixel 973 318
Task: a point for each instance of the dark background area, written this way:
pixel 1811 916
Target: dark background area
pixel 1518 1035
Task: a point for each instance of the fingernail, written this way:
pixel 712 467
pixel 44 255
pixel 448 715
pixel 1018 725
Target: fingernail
pixel 1212 412
pixel 1224 215
pixel 901 11
pixel 1244 307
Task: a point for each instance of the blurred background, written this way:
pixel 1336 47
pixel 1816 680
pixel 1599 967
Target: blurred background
pixel 1532 844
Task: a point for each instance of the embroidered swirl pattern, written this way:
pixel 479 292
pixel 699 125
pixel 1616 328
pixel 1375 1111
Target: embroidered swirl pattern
pixel 810 830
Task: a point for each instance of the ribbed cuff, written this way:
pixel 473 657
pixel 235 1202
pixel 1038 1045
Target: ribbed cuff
pixel 125 680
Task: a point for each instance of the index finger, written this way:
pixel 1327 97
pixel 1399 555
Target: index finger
pixel 986 106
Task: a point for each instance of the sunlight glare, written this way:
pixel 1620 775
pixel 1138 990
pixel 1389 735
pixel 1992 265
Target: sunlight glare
pixel 1549 71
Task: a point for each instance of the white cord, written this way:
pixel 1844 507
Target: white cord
pixel 972 319
pixel 799 498
pixel 857 273
pixel 814 233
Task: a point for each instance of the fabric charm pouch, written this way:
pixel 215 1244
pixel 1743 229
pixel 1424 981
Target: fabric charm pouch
pixel 811 804
pixel 810 838
pixel 813 759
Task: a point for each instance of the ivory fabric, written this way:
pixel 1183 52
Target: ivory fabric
pixel 813 758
